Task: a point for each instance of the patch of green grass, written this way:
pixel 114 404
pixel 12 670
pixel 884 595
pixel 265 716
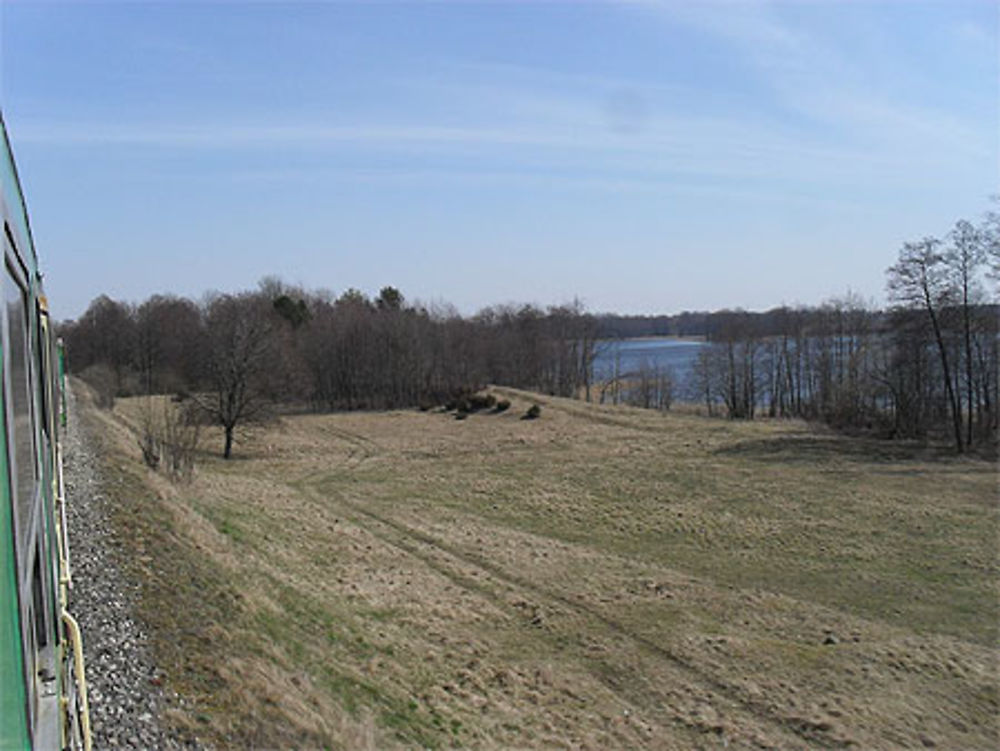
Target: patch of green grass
pixel 708 514
pixel 226 521
pixel 231 530
pixel 411 726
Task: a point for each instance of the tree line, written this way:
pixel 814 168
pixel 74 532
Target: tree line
pixel 926 367
pixel 239 355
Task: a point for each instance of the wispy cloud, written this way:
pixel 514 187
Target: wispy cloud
pixel 221 135
pixel 748 23
pixel 813 77
pixel 475 122
pixel 570 134
pixel 546 140
pixel 967 32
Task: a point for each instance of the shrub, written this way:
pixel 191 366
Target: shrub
pixel 181 430
pixel 481 401
pixel 168 432
pixel 533 413
pixel 102 380
pixel 503 405
pixel 149 445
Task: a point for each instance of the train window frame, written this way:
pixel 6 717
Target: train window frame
pixel 29 447
pixel 49 547
pixel 42 366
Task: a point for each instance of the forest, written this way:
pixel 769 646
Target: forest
pixel 925 368
pixel 279 346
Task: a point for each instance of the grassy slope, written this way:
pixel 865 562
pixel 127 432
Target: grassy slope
pixel 601 577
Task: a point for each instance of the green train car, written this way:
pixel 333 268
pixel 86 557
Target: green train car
pixel 43 699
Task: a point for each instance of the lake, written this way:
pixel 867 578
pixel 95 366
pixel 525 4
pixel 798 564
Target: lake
pixel 664 352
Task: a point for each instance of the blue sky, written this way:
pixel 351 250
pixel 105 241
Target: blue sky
pixel 643 156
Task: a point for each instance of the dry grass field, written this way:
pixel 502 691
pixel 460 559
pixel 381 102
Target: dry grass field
pixel 601 577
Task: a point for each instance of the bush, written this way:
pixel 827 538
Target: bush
pixel 479 402
pixel 533 413
pixel 181 430
pixel 168 432
pixel 102 380
pixel 503 405
pixel 150 447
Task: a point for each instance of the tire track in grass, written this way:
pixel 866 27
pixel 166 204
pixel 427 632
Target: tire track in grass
pixel 363 448
pixel 611 677
pixel 410 540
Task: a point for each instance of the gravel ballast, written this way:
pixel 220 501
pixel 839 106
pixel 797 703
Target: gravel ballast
pixel 126 697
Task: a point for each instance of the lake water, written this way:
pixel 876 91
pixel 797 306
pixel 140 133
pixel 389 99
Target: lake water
pixel 678 355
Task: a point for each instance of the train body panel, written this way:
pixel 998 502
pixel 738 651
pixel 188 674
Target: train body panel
pixel 42 691
pixel 13 702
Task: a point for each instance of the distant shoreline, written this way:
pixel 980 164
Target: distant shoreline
pixel 658 338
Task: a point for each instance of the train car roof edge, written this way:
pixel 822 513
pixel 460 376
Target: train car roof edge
pixel 18 214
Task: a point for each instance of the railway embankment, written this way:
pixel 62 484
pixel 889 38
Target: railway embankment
pixel 127 697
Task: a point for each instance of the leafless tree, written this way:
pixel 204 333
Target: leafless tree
pixel 238 329
pixel 167 344
pixel 920 279
pixel 964 259
pixel 702 379
pixel 105 335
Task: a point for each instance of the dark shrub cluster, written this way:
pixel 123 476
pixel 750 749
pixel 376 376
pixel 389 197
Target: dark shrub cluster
pixel 479 402
pixel 467 403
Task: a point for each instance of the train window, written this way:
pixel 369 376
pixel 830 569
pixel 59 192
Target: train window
pixel 42 366
pixel 31 665
pixel 38 600
pixel 24 475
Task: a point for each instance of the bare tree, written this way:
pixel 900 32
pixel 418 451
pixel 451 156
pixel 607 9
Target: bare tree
pixel 238 331
pixel 920 279
pixel 703 375
pixel 964 258
pixel 990 230
pixel 167 343
pixel 737 343
pixel 104 335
